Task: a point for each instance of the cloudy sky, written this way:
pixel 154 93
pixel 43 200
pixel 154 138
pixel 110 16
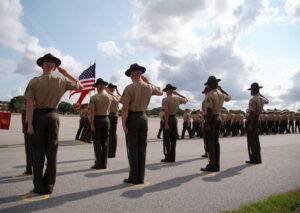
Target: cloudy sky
pixel 179 41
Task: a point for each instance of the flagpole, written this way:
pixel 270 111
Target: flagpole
pixel 95 74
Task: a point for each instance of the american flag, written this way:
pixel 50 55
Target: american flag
pixel 87 79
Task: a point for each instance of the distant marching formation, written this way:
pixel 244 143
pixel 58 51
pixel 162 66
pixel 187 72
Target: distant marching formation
pixel 233 123
pixel 41 121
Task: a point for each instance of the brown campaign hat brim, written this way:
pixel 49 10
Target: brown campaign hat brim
pixel 135 67
pixel 253 88
pixel 210 82
pixel 96 84
pixel 169 88
pixel 100 81
pixel 111 86
pixel 48 57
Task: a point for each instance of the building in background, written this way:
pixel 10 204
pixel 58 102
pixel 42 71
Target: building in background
pixel 4 105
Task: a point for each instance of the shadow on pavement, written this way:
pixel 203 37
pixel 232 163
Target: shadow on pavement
pixel 233 171
pixel 61 162
pixel 162 186
pixel 56 201
pixel 157 166
pixel 13 179
pixel 153 166
pixel 61 143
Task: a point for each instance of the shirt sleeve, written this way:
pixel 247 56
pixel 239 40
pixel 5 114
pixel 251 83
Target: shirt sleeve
pixel 156 90
pixel 227 98
pixel 29 92
pixel 70 85
pixel 114 98
pixel 265 101
pixel 126 97
pixel 181 100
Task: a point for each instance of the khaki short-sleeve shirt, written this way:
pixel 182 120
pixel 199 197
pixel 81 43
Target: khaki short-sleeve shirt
pixel 256 104
pixel 203 107
pixel 137 95
pixel 186 116
pixel 215 100
pixel 114 106
pixel 171 104
pixel 101 103
pixel 46 90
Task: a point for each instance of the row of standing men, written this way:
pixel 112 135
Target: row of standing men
pixel 233 123
pixel 44 92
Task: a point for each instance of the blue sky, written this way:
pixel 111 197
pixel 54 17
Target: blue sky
pixel 248 40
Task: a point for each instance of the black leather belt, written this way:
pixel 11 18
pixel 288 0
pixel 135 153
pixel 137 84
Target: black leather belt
pixel 171 116
pixel 113 113
pixel 45 110
pixel 100 116
pixel 135 112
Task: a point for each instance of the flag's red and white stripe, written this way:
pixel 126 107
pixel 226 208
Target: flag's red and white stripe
pixel 87 79
pixel 87 86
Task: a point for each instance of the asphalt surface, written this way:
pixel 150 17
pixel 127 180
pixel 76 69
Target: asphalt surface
pixel 176 187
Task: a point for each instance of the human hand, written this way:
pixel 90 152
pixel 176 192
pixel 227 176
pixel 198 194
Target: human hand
pixel 30 130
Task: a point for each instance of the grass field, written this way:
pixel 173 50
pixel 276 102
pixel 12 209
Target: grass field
pixel 281 203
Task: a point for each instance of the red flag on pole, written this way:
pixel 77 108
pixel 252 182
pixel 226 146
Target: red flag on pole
pixel 5 120
pixel 82 96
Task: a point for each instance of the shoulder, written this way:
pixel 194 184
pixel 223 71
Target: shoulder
pixel 111 97
pixel 256 99
pixel 213 93
pixel 93 97
pixel 129 87
pixel 34 80
pixel 253 99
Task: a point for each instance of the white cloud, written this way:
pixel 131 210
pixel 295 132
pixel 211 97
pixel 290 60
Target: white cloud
pixel 7 67
pixel 195 39
pixel 12 32
pixel 15 92
pixel 13 35
pixel 168 25
pixel 292 8
pixel 110 49
pixel 293 93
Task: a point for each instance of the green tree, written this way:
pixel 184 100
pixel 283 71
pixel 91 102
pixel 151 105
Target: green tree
pixel 154 111
pixel 180 112
pixel 16 104
pixel 66 108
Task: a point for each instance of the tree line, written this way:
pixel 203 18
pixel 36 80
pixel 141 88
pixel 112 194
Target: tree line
pixel 16 105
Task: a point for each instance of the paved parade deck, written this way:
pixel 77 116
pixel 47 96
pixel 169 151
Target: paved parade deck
pixel 175 187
